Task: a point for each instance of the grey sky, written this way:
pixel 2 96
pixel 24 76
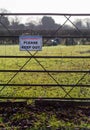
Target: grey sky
pixel 61 6
pixel 46 6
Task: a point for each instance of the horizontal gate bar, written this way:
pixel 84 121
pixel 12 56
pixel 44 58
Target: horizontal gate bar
pixel 60 14
pixel 52 36
pixel 49 71
pixel 54 98
pixel 49 85
pixel 9 56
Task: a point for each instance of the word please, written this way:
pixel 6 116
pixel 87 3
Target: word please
pixel 30 42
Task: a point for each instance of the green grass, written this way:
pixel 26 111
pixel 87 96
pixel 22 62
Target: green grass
pixel 41 119
pixel 48 64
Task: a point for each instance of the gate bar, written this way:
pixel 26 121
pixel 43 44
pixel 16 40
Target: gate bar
pixel 58 14
pixel 50 36
pixel 41 98
pixel 49 71
pixel 10 56
pixel 47 85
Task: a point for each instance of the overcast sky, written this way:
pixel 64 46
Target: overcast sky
pixel 46 6
pixel 61 6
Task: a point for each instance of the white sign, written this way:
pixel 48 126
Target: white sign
pixel 30 43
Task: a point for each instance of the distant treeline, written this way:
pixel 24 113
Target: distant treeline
pixel 47 27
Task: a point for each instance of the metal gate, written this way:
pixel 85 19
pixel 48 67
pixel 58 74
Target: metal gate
pixel 48 74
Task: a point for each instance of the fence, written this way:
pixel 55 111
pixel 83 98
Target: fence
pixel 64 74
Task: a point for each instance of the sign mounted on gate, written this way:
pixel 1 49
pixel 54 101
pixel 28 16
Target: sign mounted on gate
pixel 30 43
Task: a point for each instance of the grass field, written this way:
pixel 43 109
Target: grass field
pixel 13 117
pixel 45 78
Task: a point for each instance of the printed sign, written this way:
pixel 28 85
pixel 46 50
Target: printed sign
pixel 30 43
